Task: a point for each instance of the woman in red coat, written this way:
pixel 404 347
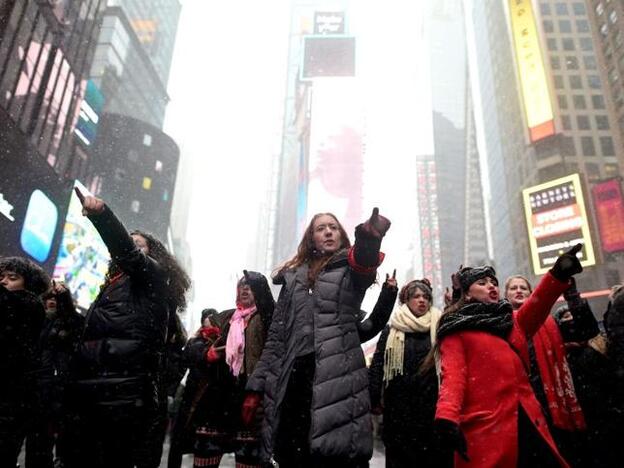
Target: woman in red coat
pixel 487 411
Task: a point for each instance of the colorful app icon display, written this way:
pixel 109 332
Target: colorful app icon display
pixel 39 226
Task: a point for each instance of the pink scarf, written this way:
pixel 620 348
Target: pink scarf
pixel 235 345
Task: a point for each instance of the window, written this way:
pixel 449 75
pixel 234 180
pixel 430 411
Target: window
pixel 598 101
pixel 571 62
pixel 548 26
pixel 579 102
pixel 582 26
pixel 586 44
pixel 611 170
pixel 613 17
pixel 587 144
pixel 555 63
pixel 613 75
pixel 578 8
pixel 593 172
pixel 602 122
pixel 606 146
pixel 563 101
pixel 575 82
pixel 582 122
pixel 558 82
pixel 568 44
pixel 604 29
pixel 590 62
pixel 544 8
pixel 599 9
pixel 551 43
pixel 565 122
pixel 567 146
pixel 561 8
pixel 565 26
pixel 147 139
pixel 594 81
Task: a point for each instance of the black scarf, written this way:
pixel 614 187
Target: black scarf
pixel 495 318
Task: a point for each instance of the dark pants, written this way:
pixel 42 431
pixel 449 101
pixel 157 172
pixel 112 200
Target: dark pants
pixel 292 446
pixel 533 451
pixel 401 453
pixel 104 436
pixel 14 422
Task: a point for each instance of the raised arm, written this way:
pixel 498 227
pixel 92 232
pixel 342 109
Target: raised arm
pixel 120 245
pixel 535 310
pixel 364 256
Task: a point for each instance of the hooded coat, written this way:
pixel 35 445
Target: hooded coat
pixel 484 384
pixel 340 412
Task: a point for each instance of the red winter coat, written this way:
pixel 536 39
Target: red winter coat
pixel 483 382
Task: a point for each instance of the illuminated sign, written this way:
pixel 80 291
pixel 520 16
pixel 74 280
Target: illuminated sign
pixel 609 208
pixel 534 85
pixel 83 258
pixel 326 56
pixel 90 110
pixel 39 226
pixel 329 22
pixel 6 208
pixel 557 220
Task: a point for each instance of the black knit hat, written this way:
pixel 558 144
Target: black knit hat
pixel 469 275
pixel 208 313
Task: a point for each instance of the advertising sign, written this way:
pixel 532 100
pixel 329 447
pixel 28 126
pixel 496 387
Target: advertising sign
pixel 533 82
pixel 329 22
pixel 83 258
pixel 335 171
pixel 90 111
pixel 328 56
pixel 32 200
pixel 557 220
pixel 609 208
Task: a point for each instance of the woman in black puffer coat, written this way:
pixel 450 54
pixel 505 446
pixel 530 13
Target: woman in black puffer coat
pixel 312 378
pixel 117 368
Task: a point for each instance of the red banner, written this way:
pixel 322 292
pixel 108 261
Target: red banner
pixel 609 207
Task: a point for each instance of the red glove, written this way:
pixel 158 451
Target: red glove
pixel 250 406
pixel 212 355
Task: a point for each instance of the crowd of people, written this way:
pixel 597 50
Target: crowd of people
pixel 496 379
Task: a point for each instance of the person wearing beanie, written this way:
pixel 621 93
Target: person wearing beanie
pixel 487 414
pixel 405 397
pixel 550 375
pixel 21 322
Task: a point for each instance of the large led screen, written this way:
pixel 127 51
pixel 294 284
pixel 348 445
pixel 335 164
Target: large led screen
pixel 609 208
pixel 557 220
pixel 83 258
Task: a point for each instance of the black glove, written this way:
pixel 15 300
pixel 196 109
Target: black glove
pixel 567 264
pixel 450 438
pixel 571 294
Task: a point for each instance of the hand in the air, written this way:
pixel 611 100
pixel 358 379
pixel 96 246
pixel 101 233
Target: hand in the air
pixel 90 205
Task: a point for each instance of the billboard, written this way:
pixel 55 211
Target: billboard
pixel 329 22
pixel 83 258
pixel 531 71
pixel 328 56
pixel 557 220
pixel 33 200
pixel 90 111
pixel 335 167
pixel 609 209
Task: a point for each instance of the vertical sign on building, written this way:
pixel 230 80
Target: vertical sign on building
pixel 609 208
pixel 557 220
pixel 534 85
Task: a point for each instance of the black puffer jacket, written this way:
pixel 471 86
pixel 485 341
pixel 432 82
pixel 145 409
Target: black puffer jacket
pixel 120 354
pixel 340 415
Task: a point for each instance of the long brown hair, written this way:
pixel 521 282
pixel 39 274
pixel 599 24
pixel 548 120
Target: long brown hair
pixel 307 253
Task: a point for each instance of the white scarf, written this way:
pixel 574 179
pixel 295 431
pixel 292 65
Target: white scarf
pixel 404 321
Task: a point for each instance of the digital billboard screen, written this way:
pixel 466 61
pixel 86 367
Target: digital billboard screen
pixel 90 111
pixel 83 258
pixel 609 209
pixel 557 220
pixel 328 56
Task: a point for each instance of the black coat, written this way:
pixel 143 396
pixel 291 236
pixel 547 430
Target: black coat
pixel 119 358
pixel 340 414
pixel 409 400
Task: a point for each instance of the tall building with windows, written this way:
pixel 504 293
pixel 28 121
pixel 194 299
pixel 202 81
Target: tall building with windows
pixel 542 113
pixel 607 18
pixel 46 49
